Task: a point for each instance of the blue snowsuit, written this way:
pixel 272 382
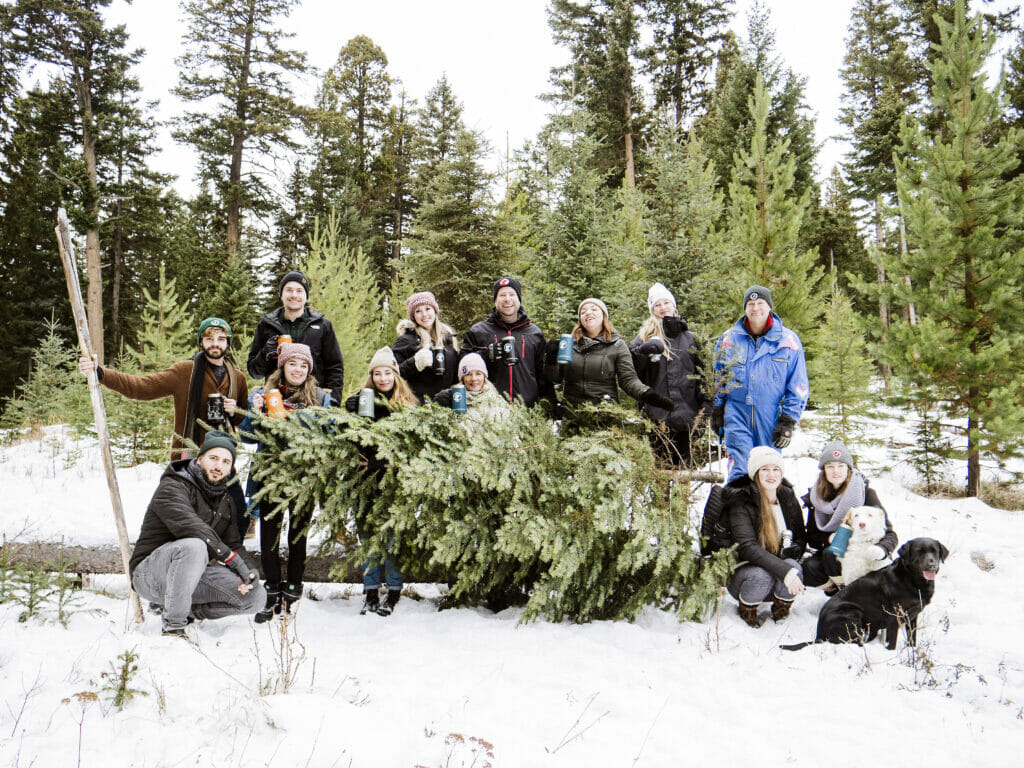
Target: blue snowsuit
pixel 757 379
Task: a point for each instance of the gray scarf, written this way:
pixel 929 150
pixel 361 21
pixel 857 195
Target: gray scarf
pixel 829 514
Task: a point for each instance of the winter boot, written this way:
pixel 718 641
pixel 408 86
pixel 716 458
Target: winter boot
pixel 371 603
pixel 291 591
pixel 749 614
pixel 388 606
pixel 273 605
pixel 780 608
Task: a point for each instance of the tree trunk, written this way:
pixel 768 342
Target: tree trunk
pixel 234 204
pixel 883 307
pixel 630 177
pixel 93 268
pixel 117 248
pixel 911 311
pixel 973 453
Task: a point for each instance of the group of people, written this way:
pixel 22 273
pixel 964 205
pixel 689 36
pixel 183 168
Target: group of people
pixel 760 390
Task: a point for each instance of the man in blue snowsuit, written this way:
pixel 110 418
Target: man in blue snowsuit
pixel 760 381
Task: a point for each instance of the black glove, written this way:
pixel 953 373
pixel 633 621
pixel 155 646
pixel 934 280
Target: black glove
pixel 783 431
pixel 270 350
pixel 551 351
pixel 673 326
pixel 237 564
pixel 652 347
pixel 650 397
pixel 718 420
pixel 444 397
pixel 352 403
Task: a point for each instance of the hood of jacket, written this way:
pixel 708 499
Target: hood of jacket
pixel 521 319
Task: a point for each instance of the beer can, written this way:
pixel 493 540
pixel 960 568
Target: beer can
pixel 284 339
pixel 215 409
pixel 366 403
pixel 275 403
pixel 459 398
pixel 508 350
pixel 565 348
pixel 438 361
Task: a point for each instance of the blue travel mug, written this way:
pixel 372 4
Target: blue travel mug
pixel 565 348
pixel 459 398
pixel 840 540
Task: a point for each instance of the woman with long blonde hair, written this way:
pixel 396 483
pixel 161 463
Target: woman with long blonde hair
pixel 767 527
pixel 665 355
pixel 426 349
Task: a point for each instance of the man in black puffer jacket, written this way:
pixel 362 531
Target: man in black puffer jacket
pixel 524 380
pixel 305 326
pixel 187 559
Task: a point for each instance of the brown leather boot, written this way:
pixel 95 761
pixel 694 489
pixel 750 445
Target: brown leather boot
pixel 749 614
pixel 780 608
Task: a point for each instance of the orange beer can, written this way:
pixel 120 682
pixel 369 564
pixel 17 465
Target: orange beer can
pixel 284 339
pixel 275 403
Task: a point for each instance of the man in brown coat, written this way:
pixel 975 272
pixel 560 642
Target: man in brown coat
pixel 190 382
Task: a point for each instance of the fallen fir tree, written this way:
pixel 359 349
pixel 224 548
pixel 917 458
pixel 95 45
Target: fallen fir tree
pixel 574 522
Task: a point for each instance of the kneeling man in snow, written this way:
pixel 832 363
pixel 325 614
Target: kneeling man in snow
pixel 187 558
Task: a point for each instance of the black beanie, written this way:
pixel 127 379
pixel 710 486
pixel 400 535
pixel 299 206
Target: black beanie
pixel 508 282
pixel 294 277
pixel 756 292
pixel 217 439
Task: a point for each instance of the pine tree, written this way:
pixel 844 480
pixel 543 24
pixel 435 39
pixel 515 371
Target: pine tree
pixel 585 530
pixel 603 39
pixel 71 36
pixel 840 368
pixel 37 155
pixel 683 240
pixel 347 292
pixel 964 268
pixel 685 34
pixel 42 397
pixel 455 246
pixel 729 124
pixel 236 61
pixel 438 126
pixel 764 217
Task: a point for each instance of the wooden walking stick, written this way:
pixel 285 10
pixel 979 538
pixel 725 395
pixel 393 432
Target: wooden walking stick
pixel 67 256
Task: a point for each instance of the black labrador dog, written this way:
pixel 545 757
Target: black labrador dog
pixel 883 599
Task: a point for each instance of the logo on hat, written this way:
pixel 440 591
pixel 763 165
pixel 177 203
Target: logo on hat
pixel 215 322
pixel 503 281
pixel 836 454
pixel 754 296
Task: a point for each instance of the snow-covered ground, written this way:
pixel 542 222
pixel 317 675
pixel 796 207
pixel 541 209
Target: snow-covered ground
pixel 471 688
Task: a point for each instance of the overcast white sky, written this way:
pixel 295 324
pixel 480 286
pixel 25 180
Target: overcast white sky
pixel 497 55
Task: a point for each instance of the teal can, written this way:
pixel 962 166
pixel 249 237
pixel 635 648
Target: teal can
pixel 840 540
pixel 565 349
pixel 459 398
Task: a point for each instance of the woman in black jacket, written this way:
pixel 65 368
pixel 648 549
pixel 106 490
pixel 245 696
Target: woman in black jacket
pixel 665 357
pixel 839 488
pixel 426 349
pixel 601 362
pixel 768 528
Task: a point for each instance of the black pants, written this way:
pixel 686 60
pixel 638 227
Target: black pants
pixel 241 517
pixel 820 567
pixel 270 539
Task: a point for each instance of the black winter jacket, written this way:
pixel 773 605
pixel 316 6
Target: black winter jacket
pixel 524 380
pixel 597 370
pixel 424 383
pixel 318 335
pixel 679 378
pixel 180 510
pixel 741 500
pixel 818 539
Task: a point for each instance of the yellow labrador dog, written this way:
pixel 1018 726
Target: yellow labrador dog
pixel 868 524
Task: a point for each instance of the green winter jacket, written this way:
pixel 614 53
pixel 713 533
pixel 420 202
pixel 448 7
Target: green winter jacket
pixel 597 370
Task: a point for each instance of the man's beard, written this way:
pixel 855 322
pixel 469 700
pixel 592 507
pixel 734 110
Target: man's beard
pixel 215 353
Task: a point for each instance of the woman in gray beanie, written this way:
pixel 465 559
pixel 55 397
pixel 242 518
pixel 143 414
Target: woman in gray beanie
pixel 840 487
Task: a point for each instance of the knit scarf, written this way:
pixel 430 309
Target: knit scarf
pixel 829 514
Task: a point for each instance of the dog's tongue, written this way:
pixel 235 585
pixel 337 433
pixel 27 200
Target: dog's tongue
pixel 930 575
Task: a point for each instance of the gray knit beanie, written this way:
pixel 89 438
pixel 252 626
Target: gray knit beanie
pixel 835 451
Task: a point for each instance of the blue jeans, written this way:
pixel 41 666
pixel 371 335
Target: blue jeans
pixel 178 576
pixel 371 575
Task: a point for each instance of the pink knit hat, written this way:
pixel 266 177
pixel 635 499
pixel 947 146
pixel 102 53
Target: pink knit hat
pixel 418 300
pixel 472 362
pixel 291 351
